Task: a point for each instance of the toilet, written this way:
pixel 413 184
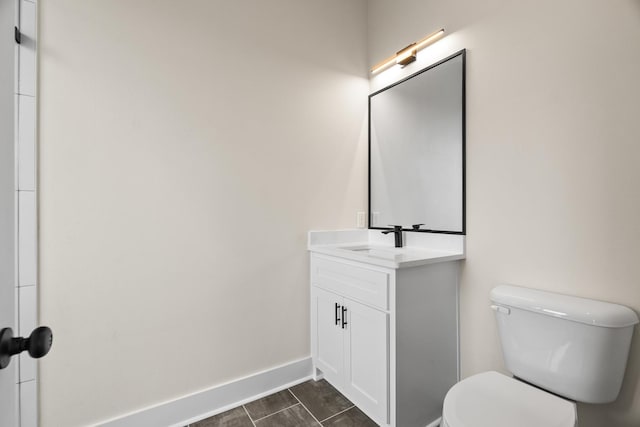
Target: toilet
pixel 560 349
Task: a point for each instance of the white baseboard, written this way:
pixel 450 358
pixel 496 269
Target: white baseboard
pixel 194 407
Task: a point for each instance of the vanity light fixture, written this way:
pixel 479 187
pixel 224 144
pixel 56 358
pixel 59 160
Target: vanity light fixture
pixel 408 54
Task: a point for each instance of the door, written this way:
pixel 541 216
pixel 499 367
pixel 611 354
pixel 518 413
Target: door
pixel 9 375
pixel 329 336
pixel 367 359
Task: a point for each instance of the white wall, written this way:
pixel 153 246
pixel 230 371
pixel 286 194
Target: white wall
pixel 8 282
pixel 179 140
pixel 185 150
pixel 553 144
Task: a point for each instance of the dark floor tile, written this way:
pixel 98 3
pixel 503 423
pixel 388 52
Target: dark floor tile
pixel 320 398
pixel 296 416
pixel 236 417
pixel 270 404
pixel 353 417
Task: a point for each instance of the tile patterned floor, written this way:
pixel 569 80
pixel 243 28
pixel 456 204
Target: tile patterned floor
pixel 310 404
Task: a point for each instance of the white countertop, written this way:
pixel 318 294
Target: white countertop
pixel 371 247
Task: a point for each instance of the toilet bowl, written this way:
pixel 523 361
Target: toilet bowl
pixel 493 399
pixel 563 348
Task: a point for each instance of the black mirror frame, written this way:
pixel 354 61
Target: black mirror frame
pixel 463 54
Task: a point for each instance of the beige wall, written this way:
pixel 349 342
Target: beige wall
pixel 553 145
pixel 186 148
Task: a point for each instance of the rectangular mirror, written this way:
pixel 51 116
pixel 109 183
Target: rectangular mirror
pixel 417 148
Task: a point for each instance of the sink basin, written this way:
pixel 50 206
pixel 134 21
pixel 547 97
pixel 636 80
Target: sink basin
pixel 372 248
pixel 376 251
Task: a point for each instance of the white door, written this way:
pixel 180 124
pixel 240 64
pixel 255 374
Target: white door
pixel 367 359
pixel 329 345
pixel 8 376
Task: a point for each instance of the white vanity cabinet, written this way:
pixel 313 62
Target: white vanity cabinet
pixel 352 338
pixel 386 337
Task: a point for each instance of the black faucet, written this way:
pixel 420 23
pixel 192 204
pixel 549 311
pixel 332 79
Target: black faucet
pixel 397 231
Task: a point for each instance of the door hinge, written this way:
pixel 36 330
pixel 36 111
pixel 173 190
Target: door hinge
pixel 17 35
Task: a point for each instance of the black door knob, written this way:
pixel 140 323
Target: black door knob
pixel 37 345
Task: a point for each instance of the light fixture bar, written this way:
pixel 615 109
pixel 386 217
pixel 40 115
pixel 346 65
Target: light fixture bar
pixel 408 54
pixel 429 39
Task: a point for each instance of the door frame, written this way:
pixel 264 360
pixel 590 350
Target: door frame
pixel 26 185
pixel 9 391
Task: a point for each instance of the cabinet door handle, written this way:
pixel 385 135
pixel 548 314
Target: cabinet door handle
pixel 337 313
pixel 344 317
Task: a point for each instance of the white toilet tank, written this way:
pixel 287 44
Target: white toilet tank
pixel 574 347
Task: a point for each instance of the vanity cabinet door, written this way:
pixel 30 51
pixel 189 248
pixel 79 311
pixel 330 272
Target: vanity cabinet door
pixel 367 359
pixel 329 357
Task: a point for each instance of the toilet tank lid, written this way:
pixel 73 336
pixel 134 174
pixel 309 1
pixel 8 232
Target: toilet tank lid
pixel 583 310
